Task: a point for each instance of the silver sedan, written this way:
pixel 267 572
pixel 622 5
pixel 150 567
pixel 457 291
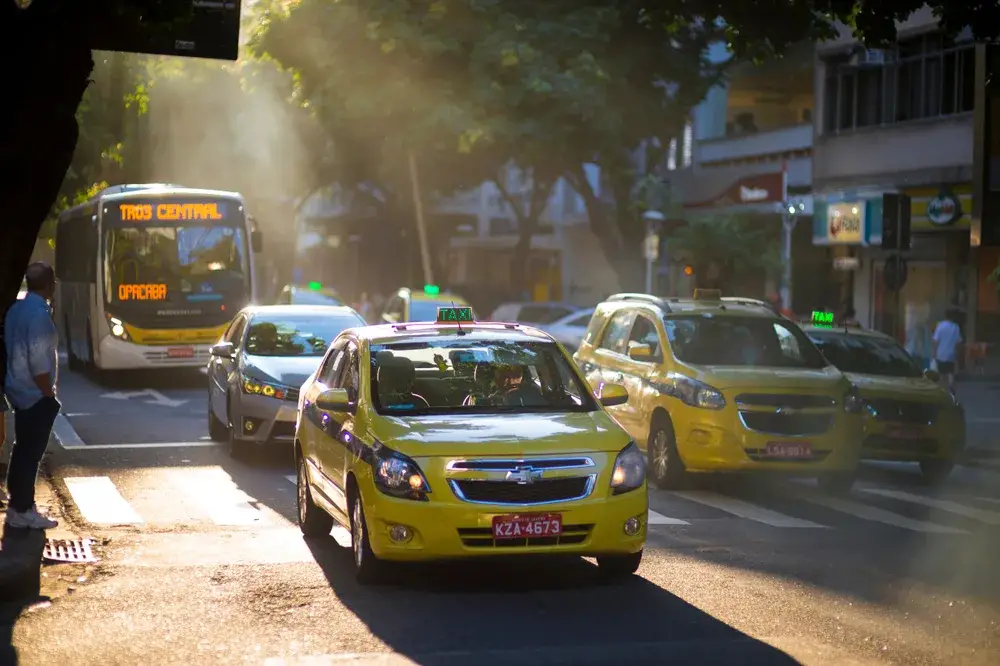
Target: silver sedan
pixel 258 366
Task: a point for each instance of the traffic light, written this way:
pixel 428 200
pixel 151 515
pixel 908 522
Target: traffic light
pixel 895 221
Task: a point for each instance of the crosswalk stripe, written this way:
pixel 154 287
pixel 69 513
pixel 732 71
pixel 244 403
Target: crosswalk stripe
pixel 982 515
pixel 99 501
pixel 219 497
pixel 745 509
pixel 880 515
pixel 994 500
pixel 655 518
pixel 292 479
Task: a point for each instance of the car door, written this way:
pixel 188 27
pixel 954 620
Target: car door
pixel 340 427
pixel 610 356
pixel 319 429
pixel 637 374
pixel 219 369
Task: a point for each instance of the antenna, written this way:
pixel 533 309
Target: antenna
pixel 458 320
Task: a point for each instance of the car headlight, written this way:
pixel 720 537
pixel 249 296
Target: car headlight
pixel 117 328
pixel 853 402
pixel 398 475
pixel 691 391
pixel 256 387
pixel 630 470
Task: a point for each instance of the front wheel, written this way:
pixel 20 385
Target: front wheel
pixel 614 567
pixel 665 465
pixel 936 472
pixel 368 569
pixel 217 430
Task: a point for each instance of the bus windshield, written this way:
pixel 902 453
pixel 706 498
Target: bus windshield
pixel 176 263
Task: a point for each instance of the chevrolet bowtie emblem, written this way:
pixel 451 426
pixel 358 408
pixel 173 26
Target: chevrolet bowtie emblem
pixel 524 475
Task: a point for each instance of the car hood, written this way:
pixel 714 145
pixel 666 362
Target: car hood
pixel 501 434
pixel 917 388
pixel 286 370
pixel 763 379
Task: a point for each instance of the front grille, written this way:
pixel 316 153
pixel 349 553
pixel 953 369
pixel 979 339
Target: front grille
pixel 505 465
pixel 902 411
pixel 283 430
pixel 900 444
pixel 507 492
pixel 787 424
pixel 482 537
pixel 200 356
pixel 789 400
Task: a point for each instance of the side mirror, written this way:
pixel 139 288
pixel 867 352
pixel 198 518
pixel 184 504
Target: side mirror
pixel 613 395
pixel 640 352
pixel 334 400
pixel 223 350
pixel 256 241
pixel 932 375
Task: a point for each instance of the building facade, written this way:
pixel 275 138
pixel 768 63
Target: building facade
pixel 898 121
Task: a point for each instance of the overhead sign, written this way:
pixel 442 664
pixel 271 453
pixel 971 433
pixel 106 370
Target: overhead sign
pixel 171 212
pixel 944 209
pixel 757 189
pixel 846 223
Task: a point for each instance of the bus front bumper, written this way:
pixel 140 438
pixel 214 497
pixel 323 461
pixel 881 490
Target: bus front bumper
pixel 115 354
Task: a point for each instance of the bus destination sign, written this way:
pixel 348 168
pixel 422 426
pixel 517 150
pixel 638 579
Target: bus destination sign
pixel 171 212
pixel 142 292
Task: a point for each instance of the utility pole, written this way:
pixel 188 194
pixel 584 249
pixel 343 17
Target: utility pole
pixel 651 245
pixel 425 252
pixel 789 219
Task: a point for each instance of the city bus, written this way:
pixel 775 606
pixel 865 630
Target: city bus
pixel 149 276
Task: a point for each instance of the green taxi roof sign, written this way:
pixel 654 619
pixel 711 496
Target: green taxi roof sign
pixel 432 289
pixel 822 319
pixel 315 286
pixel 454 315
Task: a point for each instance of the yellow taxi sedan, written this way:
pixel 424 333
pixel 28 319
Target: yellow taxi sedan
pixel 908 415
pixel 457 439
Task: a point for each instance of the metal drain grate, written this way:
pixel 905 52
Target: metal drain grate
pixel 61 550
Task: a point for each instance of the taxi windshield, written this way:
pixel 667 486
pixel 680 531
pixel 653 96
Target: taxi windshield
pixel 866 355
pixel 422 310
pixel 297 335
pixel 707 339
pixel 462 376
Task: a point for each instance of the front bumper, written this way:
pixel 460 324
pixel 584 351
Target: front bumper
pixel 445 530
pixel 115 354
pixel 264 420
pixel 912 444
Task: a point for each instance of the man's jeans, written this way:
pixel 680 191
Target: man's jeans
pixel 32 427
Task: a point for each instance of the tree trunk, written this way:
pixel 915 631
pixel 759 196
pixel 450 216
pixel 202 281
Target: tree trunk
pixel 542 181
pixel 49 66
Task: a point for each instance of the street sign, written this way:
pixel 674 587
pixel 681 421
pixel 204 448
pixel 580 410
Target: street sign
pixel 895 272
pixel 651 247
pixel 846 263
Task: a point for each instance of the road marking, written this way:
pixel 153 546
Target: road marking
pixel 994 500
pixel 982 515
pixel 745 509
pixel 65 433
pixel 157 397
pixel 218 496
pixel 100 502
pixel 144 445
pixel 655 518
pixel 292 479
pixel 879 515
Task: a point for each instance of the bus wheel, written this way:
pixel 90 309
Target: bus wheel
pixel 71 359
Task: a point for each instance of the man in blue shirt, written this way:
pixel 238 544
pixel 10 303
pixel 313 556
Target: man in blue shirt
pixel 31 343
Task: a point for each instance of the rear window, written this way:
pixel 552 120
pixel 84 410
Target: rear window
pixel 865 355
pixel 705 339
pixel 271 335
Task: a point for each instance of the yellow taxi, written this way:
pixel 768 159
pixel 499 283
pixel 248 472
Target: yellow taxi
pixel 908 415
pixel 723 386
pixel 457 439
pixel 413 305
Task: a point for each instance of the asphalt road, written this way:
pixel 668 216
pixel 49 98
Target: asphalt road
pixel 202 564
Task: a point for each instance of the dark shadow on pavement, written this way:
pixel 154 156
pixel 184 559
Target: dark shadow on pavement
pixel 169 378
pixel 530 611
pixel 20 577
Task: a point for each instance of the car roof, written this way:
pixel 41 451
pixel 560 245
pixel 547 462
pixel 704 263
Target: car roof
pixel 726 306
pixel 429 331
pixel 856 331
pixel 299 309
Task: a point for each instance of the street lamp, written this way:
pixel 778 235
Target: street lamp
pixel 651 245
pixel 789 218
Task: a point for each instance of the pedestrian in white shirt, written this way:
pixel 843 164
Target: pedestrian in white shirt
pixel 946 341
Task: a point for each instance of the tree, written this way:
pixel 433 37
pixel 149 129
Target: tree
pixel 727 250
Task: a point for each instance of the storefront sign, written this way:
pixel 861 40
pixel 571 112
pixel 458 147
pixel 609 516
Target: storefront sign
pixel 944 209
pixel 846 263
pixel 758 189
pixel 845 223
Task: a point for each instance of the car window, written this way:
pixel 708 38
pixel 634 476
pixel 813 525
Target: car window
pixel 330 370
pixel 616 334
pixel 311 297
pixel 455 375
pixel 580 321
pixel 296 335
pixel 704 339
pixel 863 354
pixel 350 377
pixel 395 307
pixel 597 322
pixel 644 333
pixel 235 330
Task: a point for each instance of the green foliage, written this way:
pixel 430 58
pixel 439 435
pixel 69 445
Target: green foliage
pixel 736 245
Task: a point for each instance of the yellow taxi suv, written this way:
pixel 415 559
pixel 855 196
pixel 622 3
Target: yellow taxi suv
pixel 408 305
pixel 458 439
pixel 908 415
pixel 723 386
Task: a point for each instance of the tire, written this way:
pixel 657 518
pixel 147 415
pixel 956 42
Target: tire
pixel 837 483
pixel 936 472
pixel 314 522
pixel 666 468
pixel 217 430
pixel 368 569
pixel 616 567
pixel 238 449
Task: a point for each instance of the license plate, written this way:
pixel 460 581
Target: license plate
pixel 904 432
pixel 789 450
pixel 180 352
pixel 527 527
